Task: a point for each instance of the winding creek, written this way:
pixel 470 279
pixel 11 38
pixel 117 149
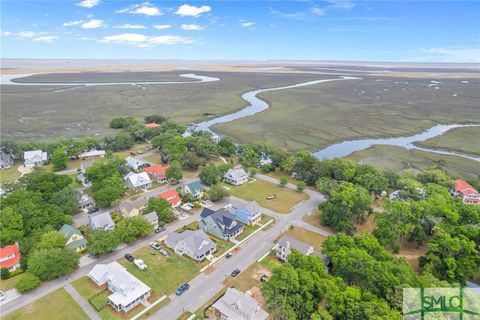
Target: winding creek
pixel 256 105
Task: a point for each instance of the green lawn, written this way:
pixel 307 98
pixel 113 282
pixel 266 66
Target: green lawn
pixel 466 140
pixel 222 245
pixel 154 158
pixel 260 190
pixel 191 226
pixel 307 236
pixel 247 230
pixel 10 283
pixel 58 305
pixel 9 174
pixel 164 274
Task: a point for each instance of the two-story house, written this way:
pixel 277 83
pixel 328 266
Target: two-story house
pixel 236 176
pixel 10 257
pixel 102 221
pixel 74 239
pixel 34 157
pixel 138 180
pixel 195 188
pixel 249 213
pixel 220 223
pixel 237 305
pixel 195 244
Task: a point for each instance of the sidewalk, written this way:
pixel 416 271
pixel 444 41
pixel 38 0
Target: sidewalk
pixel 82 303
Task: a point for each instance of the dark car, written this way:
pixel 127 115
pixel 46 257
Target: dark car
pixel 235 273
pixel 92 210
pixel 182 289
pixel 228 255
pixel 129 257
pixel 159 229
pixel 264 278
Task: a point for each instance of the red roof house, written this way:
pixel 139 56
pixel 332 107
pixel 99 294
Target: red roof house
pixel 10 257
pixel 152 125
pixel 158 172
pixel 468 193
pixel 172 197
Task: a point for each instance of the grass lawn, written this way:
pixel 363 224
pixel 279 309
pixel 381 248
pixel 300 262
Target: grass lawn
pixel 260 190
pixel 153 158
pixel 164 274
pixel 10 283
pixel 250 277
pixel 156 308
pixel 135 149
pixel 307 236
pixel 464 140
pixel 247 230
pixel 56 305
pixel 10 174
pixel 222 245
pixel 191 226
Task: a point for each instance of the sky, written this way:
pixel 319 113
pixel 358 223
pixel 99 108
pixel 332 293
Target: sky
pixel 401 31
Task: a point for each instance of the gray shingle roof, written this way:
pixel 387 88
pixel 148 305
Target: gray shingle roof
pixel 294 244
pixel 196 240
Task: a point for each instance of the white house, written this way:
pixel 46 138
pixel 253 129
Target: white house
pixel 236 176
pixel 286 244
pixel 127 290
pixel 102 221
pixel 35 157
pixel 92 154
pixel 138 180
pixel 136 163
pixel 237 305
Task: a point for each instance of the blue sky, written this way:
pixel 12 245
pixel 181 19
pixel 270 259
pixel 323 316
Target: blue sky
pixel 431 31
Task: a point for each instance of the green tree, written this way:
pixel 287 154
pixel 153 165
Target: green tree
pixel 249 157
pixel 217 192
pixel 371 178
pixel 324 185
pixel 108 190
pixel 102 242
pixel 343 170
pixel 52 263
pixel 123 122
pixel 283 181
pixel 210 175
pixel 49 240
pixel 301 186
pixel 11 226
pixel 27 283
pixel 155 118
pixel 4 273
pixel 162 208
pixel 66 199
pixel 226 147
pixel 129 229
pixel 175 171
pixel 59 160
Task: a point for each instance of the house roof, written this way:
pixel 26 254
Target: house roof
pixel 171 196
pixel 127 287
pixel 135 163
pixel 252 207
pixel 77 243
pixel 206 212
pixel 101 220
pixel 92 153
pixel 294 244
pixel 138 179
pixel 69 231
pixel 6 157
pixel 464 188
pixel 157 170
pixel 12 251
pixel 150 217
pixel 195 186
pixel 35 155
pixel 238 305
pixel 196 240
pixel 224 219
pixel 237 173
pixel 128 205
pixel 152 125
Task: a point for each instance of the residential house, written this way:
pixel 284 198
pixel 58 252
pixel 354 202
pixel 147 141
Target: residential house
pixel 215 138
pixel 10 257
pixel 237 305
pixel 136 163
pixel 127 290
pixel 158 172
pixel 265 160
pixel 195 188
pixel 249 213
pixel 465 191
pixel 151 217
pixel 152 125
pixel 286 244
pixel 74 239
pixel 138 180
pixel 195 244
pixel 92 154
pixel 172 197
pixel 220 223
pixel 102 221
pixel 85 201
pixel 6 160
pixel 131 208
pixel 35 157
pixel 236 176
pixel 83 168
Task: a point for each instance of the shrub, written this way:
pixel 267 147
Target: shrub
pixel 27 283
pixel 4 274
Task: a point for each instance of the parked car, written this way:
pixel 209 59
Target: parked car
pixel 2 296
pixel 228 255
pixel 164 252
pixel 264 278
pixel 92 210
pixel 140 264
pixel 182 289
pixel 155 245
pixel 235 273
pixel 159 229
pixel 129 257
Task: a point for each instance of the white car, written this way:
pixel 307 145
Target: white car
pixel 2 296
pixel 140 264
pixel 155 245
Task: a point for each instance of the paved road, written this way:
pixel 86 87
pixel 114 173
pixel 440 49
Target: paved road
pixel 204 287
pixel 82 303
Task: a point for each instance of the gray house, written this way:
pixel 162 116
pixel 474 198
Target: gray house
pixel 195 244
pixel 6 160
pixel 286 244
pixel 236 176
pixel 136 163
pixel 237 305
pixel 102 221
pixel 151 217
pixel 220 223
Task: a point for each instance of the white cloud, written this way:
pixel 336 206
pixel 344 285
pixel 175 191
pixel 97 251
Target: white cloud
pixel 130 26
pixel 192 27
pixel 88 3
pixel 247 24
pixel 192 11
pixel 26 34
pixel 448 55
pixel 341 4
pixel 162 26
pixel 45 38
pixel 145 8
pixel 93 24
pixel 72 23
pixel 6 33
pixel 143 41
pixel 318 11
